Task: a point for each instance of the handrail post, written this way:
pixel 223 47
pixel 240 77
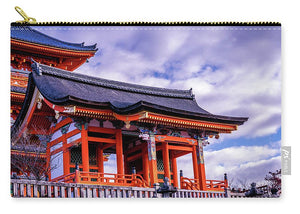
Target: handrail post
pixel 133 174
pixel 226 185
pixel 181 177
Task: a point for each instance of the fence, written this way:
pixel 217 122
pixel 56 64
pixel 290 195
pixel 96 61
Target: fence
pixel 45 189
pixel 211 185
pixel 108 179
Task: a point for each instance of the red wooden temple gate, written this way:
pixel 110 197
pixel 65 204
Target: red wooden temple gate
pixel 144 135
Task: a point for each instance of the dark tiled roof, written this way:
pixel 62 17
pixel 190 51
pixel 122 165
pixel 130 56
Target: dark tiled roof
pixel 65 88
pixel 27 34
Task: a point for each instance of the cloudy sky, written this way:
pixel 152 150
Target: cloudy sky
pixel 233 71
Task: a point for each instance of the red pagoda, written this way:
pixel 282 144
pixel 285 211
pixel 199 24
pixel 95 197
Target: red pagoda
pixel 28 44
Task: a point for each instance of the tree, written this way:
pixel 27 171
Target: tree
pixel 28 155
pixel 274 181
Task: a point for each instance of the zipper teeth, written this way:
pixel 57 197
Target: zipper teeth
pixel 32 21
pixel 179 23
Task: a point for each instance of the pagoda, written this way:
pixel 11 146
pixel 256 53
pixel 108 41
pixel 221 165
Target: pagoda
pixel 28 44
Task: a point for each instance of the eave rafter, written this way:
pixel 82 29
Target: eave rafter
pixel 67 59
pixel 51 50
pixel 143 116
pixel 30 154
pixel 15 96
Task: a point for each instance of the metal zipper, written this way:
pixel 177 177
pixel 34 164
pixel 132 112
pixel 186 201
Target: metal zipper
pixel 32 21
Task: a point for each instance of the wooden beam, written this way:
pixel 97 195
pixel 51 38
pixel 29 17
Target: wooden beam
pixel 166 138
pixel 101 140
pixel 181 148
pixel 61 123
pixel 134 149
pixel 106 146
pixel 102 130
pixel 134 157
pixel 179 154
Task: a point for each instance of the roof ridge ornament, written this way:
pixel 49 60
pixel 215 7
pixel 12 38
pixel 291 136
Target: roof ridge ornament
pixel 191 92
pixel 36 67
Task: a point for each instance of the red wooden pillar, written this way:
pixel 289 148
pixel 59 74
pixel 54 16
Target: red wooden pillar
pixel 195 164
pixel 100 158
pixel 201 167
pixel 119 152
pixel 145 165
pixel 174 168
pixel 166 160
pixel 84 150
pixel 152 159
pixel 66 156
pixel 48 166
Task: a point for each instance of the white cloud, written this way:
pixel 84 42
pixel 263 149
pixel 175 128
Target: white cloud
pixel 245 163
pixel 110 166
pixel 232 72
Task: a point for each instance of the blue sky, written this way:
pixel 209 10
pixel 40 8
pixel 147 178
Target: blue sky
pixel 233 71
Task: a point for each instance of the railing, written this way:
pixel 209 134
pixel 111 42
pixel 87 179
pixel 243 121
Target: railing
pixel 69 178
pixel 190 184
pixel 42 189
pixel 216 185
pixel 133 180
pixel 194 184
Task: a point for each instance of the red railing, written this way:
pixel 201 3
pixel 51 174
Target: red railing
pixel 109 179
pixel 69 178
pixel 216 185
pixel 194 184
pixel 189 184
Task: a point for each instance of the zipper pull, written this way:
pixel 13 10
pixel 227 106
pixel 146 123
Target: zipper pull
pixel 27 20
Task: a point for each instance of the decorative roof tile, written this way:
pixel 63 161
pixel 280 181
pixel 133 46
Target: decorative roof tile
pixel 65 88
pixel 122 86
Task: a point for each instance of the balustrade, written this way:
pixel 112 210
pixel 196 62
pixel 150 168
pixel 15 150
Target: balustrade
pixel 41 189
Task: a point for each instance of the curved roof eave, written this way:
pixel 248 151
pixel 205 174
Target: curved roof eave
pixel 180 103
pixel 30 35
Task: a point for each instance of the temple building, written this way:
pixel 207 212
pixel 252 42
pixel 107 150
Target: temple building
pixel 83 119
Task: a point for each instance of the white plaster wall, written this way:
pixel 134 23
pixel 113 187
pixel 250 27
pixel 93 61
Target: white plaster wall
pixel 72 127
pixel 56 146
pixel 56 135
pixel 73 138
